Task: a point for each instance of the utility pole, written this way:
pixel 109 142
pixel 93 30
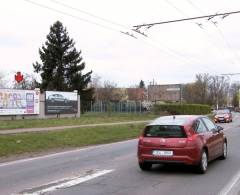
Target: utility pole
pixel 239 98
pixel 181 93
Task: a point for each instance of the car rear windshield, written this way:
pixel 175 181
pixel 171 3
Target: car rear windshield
pixel 165 131
pixel 223 112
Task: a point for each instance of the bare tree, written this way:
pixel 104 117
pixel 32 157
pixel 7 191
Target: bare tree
pixel 29 82
pixel 2 80
pixel 207 89
pixel 96 84
pixel 198 92
pixel 96 81
pixel 218 90
pixel 235 94
pixel 202 83
pixel 189 92
pixel 107 92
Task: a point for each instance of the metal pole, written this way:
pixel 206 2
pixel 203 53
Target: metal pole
pixel 228 93
pixel 239 98
pixel 140 107
pixel 181 93
pixel 135 107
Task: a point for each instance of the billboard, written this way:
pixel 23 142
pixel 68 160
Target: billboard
pixel 171 92
pixel 19 102
pixel 58 102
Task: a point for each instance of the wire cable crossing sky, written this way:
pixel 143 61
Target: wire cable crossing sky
pixel 116 49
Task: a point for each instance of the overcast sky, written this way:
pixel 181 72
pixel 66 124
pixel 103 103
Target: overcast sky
pixel 172 53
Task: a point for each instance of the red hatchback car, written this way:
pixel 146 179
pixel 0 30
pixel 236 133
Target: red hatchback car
pixel 191 140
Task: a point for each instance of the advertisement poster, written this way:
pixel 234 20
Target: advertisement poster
pixel 57 102
pixel 19 102
pixel 171 93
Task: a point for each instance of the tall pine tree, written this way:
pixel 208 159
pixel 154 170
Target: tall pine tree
pixel 141 84
pixel 62 65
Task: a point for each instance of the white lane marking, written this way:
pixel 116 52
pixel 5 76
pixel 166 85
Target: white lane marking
pixel 231 185
pixel 69 182
pixel 62 153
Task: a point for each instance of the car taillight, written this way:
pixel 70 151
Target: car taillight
pixel 191 138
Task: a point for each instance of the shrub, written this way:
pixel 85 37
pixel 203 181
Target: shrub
pixel 185 109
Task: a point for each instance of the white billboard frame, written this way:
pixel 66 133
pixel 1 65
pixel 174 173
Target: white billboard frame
pixel 19 102
pixel 61 102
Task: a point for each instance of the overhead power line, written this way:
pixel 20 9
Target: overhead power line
pixel 176 8
pixel 88 21
pixel 129 32
pixel 73 16
pixel 208 36
pixel 195 6
pixel 227 44
pixel 103 19
pixel 87 13
pixel 186 19
pixel 209 19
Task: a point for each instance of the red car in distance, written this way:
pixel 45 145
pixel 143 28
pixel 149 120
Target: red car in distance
pixel 190 140
pixel 223 116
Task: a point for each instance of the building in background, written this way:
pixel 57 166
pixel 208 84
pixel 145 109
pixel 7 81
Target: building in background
pixel 166 93
pixel 120 94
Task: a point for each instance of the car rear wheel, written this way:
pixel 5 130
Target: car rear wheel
pixel 203 163
pixel 145 166
pixel 224 155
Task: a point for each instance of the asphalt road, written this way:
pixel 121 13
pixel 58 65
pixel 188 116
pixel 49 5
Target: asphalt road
pixel 113 169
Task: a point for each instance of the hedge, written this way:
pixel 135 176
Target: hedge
pixel 185 109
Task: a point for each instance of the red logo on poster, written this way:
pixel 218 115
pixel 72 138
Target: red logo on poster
pixel 18 77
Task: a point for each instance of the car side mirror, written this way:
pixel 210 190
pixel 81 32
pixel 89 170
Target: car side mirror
pixel 215 130
pixel 219 128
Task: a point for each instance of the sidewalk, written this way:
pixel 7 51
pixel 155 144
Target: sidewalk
pixel 15 131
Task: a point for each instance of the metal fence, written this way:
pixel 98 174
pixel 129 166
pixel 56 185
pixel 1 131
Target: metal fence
pixel 126 107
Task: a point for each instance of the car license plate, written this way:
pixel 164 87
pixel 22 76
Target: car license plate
pixel 162 153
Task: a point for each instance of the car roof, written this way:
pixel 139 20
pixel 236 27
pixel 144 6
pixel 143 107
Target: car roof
pixel 181 120
pixel 222 110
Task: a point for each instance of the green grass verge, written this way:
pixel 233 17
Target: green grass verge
pixel 89 118
pixel 43 141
